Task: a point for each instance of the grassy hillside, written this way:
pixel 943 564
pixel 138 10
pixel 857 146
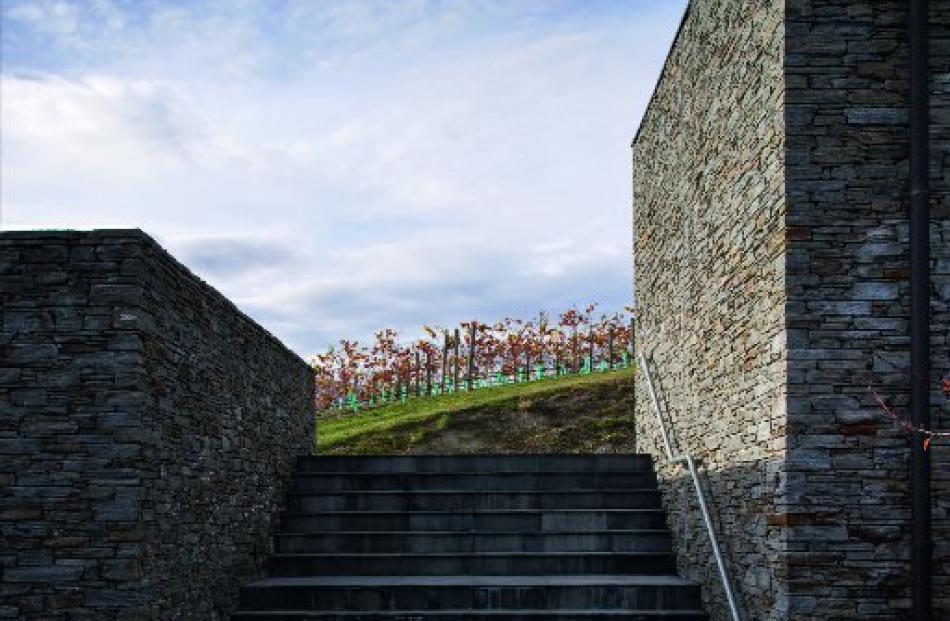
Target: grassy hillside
pixel 586 413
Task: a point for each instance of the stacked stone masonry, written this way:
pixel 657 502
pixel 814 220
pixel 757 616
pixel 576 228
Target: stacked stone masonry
pixel 147 430
pixel 709 229
pixel 771 266
pixel 847 312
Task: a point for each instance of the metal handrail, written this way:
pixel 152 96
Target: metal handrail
pixel 686 458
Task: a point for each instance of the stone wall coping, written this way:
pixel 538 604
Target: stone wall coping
pixel 138 235
pixel 666 63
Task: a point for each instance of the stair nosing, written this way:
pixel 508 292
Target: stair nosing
pixel 468 472
pixel 465 554
pixel 427 533
pixel 472 511
pixel 508 612
pixel 462 513
pixel 456 492
pixel 476 580
pixel 643 456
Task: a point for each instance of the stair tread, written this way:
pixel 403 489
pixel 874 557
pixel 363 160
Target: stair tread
pixel 482 456
pixel 496 462
pixel 478 580
pixel 467 492
pixel 495 612
pixel 347 473
pixel 458 554
pixel 482 533
pixel 468 511
pixel 482 492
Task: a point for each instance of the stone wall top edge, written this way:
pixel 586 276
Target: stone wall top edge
pixel 93 236
pixel 186 272
pixel 663 71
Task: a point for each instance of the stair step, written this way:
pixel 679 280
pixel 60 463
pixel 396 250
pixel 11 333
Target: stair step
pixel 472 463
pixel 488 563
pixel 470 615
pixel 499 481
pixel 454 541
pixel 474 593
pixel 455 500
pixel 472 537
pixel 574 520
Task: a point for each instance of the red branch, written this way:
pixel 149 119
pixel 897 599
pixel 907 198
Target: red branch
pixel 907 426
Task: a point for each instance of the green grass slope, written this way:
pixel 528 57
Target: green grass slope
pixel 582 413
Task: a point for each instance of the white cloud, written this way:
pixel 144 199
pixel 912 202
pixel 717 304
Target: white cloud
pixel 97 121
pixel 318 296
pixel 340 166
pixel 56 18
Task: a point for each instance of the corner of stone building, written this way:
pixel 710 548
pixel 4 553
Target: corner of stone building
pixel 73 386
pixel 709 226
pixel 231 408
pixel 153 420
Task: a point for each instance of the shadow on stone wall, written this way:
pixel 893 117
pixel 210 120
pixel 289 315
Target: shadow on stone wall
pixel 753 523
pixel 741 502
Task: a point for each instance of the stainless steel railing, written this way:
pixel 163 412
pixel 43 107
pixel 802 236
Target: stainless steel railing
pixel 686 458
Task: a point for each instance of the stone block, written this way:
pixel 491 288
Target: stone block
pixel 32 354
pixel 115 293
pixel 876 291
pixel 876 116
pixel 48 573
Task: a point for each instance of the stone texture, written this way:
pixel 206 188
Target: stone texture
pixel 847 64
pixel 709 234
pixel 771 269
pixel 147 430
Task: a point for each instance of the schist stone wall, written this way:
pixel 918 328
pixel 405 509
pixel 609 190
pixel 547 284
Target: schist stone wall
pixel 709 211
pixel 847 312
pixel 147 427
pixel 771 268
pixel 940 295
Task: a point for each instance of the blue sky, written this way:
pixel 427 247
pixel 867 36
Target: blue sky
pixel 336 167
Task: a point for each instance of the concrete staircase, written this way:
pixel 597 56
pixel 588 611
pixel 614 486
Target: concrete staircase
pixel 433 538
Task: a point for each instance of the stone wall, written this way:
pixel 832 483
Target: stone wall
pixel 147 428
pixel 710 283
pixel 847 138
pixel 940 296
pixel 816 487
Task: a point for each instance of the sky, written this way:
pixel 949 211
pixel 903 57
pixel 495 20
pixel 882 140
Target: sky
pixel 336 167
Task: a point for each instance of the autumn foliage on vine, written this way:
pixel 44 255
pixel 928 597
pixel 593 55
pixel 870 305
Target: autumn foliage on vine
pixel 471 355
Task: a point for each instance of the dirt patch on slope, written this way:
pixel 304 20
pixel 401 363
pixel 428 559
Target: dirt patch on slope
pixel 584 419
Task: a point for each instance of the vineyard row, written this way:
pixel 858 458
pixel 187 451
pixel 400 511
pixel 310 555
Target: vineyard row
pixel 471 356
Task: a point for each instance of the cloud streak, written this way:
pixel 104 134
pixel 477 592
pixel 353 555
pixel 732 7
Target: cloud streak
pixel 338 167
